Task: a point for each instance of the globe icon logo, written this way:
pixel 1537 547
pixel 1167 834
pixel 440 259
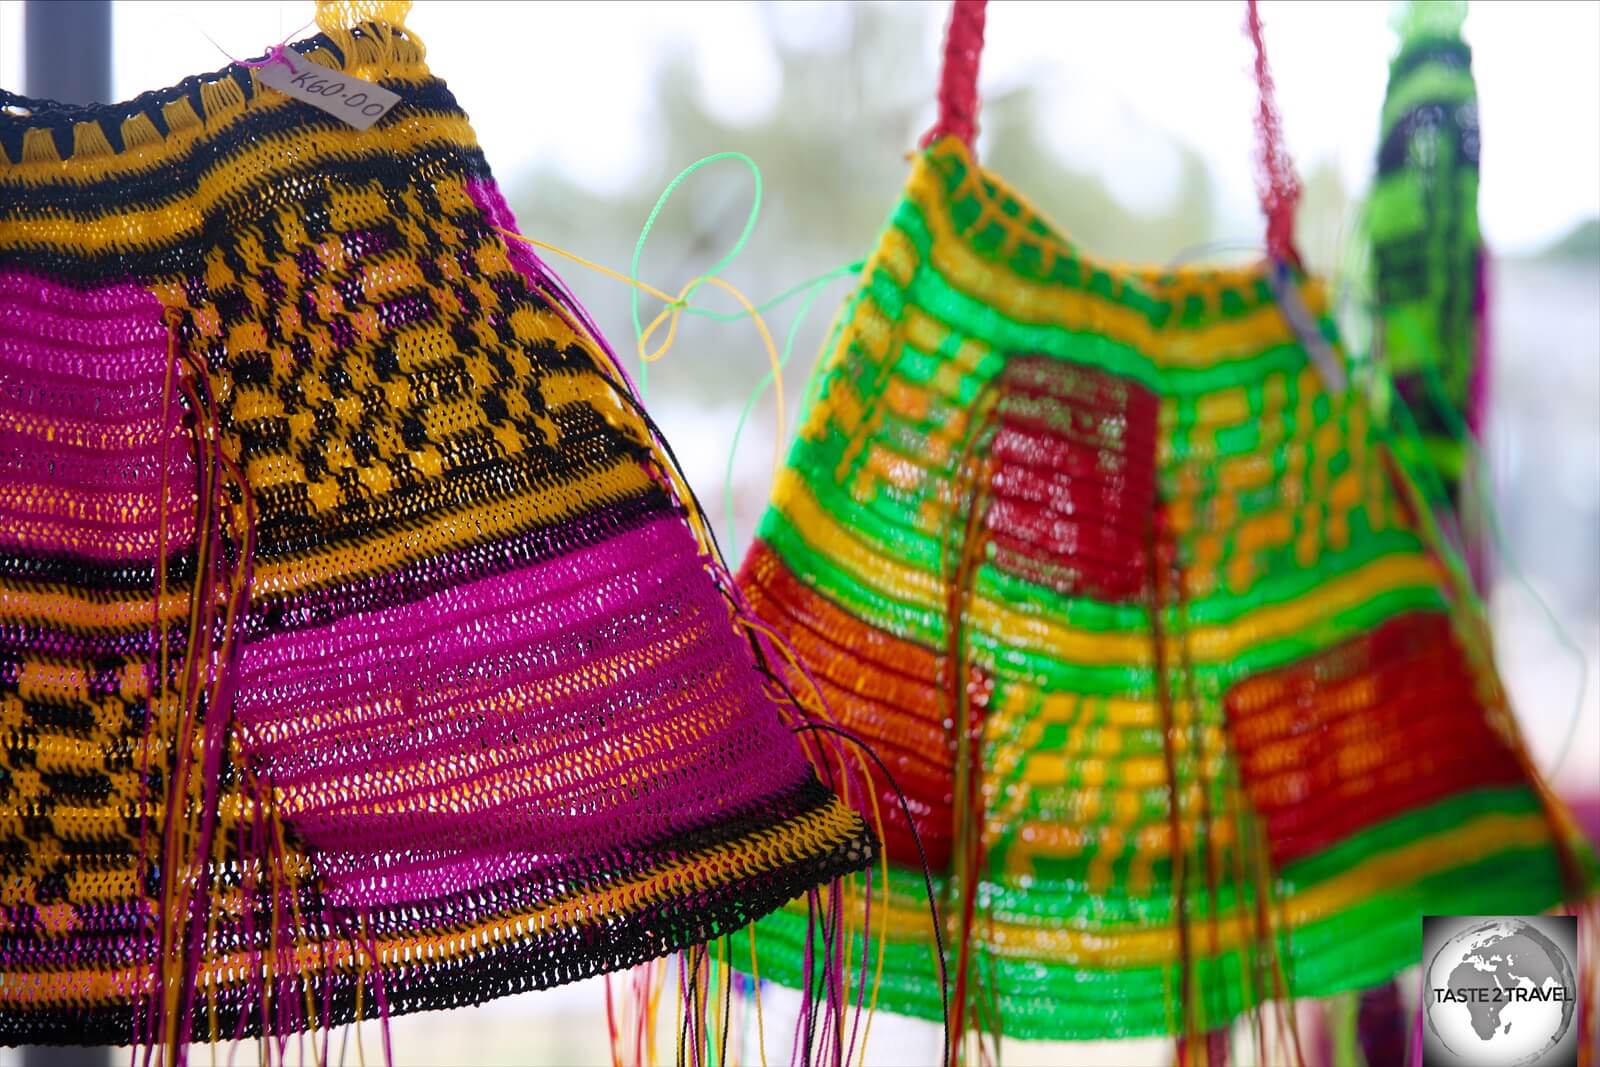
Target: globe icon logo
pixel 1499 993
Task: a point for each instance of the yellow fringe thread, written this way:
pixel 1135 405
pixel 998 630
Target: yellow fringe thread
pixel 669 318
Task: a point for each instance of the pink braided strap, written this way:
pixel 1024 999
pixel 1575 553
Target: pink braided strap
pixel 958 80
pixel 1276 183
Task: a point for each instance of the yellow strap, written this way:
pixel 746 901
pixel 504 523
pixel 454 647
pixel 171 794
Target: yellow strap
pixel 335 15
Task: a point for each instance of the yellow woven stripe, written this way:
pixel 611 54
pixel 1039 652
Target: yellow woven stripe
pixel 1023 630
pixel 1219 644
pixel 263 161
pixel 1053 305
pixel 446 531
pixel 392 59
pixel 80 614
pixel 804 837
pixel 1110 947
pixel 872 568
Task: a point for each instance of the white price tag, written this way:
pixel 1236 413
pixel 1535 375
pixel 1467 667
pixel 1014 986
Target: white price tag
pixel 360 103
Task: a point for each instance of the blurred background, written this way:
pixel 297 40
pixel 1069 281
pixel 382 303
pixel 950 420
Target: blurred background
pixel 1128 123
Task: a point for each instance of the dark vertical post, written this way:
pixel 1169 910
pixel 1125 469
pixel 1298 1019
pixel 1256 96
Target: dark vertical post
pixel 67 57
pixel 68 50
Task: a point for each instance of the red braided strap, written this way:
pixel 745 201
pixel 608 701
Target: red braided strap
pixel 1276 183
pixel 958 81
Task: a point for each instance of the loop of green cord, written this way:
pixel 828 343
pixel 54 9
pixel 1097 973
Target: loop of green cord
pixel 716 268
pixel 811 287
pixel 815 287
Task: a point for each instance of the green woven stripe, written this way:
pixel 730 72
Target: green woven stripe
pixel 1422 222
pixel 966 315
pixel 1427 85
pixel 927 627
pixel 888 524
pixel 1353 948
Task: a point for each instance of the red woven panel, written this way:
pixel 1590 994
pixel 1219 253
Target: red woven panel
pixel 1368 730
pixel 1073 483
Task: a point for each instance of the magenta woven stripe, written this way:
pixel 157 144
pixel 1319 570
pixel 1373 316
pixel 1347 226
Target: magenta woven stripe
pixel 81 432
pixel 354 594
pixel 521 670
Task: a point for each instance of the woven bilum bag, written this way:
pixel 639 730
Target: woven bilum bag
pixel 1193 710
pixel 1428 264
pixel 1426 315
pixel 356 653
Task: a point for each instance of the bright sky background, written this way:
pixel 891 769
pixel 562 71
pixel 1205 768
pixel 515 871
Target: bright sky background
pixel 1132 70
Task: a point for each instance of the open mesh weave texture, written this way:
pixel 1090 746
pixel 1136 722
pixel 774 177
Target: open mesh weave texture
pixel 485 722
pixel 1427 252
pixel 1234 730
